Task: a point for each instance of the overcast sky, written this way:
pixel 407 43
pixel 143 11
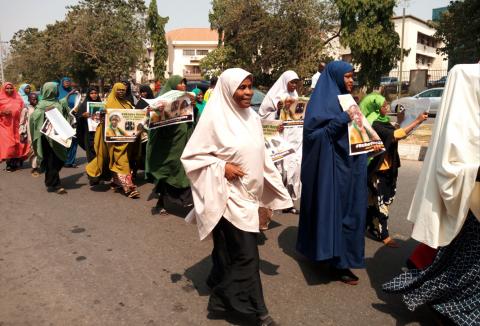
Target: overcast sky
pixel 20 14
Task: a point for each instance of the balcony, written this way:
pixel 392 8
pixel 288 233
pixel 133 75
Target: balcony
pixel 192 75
pixel 426 50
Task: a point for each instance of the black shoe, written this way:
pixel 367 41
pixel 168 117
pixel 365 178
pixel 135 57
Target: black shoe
pixel 346 276
pixel 266 321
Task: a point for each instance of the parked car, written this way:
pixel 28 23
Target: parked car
pixel 438 83
pixel 202 84
pixel 388 80
pixel 429 98
pixel 257 99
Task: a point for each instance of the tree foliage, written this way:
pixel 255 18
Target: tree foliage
pixel 459 30
pixel 156 31
pixel 367 29
pixel 98 39
pixel 267 37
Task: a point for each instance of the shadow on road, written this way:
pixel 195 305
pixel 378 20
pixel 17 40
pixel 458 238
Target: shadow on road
pixel 71 182
pixel 382 267
pixel 315 273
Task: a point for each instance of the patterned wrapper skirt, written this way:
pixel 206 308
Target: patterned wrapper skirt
pixel 451 285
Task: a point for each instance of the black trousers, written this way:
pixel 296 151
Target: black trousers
pixel 235 278
pixel 51 164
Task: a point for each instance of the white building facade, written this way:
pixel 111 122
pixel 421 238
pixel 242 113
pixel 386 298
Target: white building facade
pixel 186 47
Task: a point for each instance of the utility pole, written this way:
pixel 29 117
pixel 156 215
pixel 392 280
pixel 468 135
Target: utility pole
pixel 399 86
pixel 1 59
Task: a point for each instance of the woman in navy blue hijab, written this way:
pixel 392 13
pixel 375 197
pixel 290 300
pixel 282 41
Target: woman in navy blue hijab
pixel 334 193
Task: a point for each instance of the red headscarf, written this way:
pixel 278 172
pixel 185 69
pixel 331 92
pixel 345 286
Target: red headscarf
pixel 10 145
pixel 14 102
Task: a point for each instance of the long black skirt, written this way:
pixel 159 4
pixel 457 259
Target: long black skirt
pixel 235 277
pixel 451 285
pixel 52 165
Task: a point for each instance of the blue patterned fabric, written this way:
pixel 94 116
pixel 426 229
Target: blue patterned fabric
pixel 451 285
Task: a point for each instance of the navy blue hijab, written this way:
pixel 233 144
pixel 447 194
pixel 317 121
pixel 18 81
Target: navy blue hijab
pixel 334 184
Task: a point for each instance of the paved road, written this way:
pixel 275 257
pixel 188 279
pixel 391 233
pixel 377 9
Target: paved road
pixel 94 257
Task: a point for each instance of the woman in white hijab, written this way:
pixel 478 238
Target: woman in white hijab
pixel 445 207
pixel 231 176
pixel 277 102
pixel 284 90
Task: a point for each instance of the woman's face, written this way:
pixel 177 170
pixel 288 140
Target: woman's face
pixel 182 87
pixel 93 95
pixel 33 99
pixel 244 93
pixel 200 97
pixel 27 90
pixel 143 94
pixel 384 109
pixel 120 93
pixel 9 90
pixel 67 83
pixel 348 80
pixel 292 85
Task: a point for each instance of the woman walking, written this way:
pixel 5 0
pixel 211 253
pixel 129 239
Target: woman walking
pixel 231 175
pixel 446 207
pixel 13 150
pixel 113 159
pixel 383 169
pixel 85 137
pixel 50 154
pixel 164 148
pixel 334 184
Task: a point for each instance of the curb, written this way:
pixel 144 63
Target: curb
pixel 412 152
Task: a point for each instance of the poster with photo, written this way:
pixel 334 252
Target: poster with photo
pixel 95 110
pixel 49 131
pixel 275 144
pixel 295 111
pixel 123 125
pixel 362 137
pixel 171 108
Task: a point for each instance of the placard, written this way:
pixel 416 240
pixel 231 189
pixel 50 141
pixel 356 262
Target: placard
pixel 122 125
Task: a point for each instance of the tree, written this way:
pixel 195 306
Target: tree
pixel 98 39
pixel 367 29
pixel 156 31
pixel 458 29
pixel 268 37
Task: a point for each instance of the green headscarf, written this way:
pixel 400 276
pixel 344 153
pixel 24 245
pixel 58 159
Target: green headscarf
pixel 200 106
pixel 172 84
pixel 370 106
pixel 48 94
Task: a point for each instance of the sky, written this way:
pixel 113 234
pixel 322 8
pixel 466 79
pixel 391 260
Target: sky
pixel 21 14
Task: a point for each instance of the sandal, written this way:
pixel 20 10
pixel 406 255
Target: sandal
pixel 61 191
pixel 389 242
pixel 133 194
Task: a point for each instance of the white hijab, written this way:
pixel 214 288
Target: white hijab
pixel 444 190
pixel 277 93
pixel 227 133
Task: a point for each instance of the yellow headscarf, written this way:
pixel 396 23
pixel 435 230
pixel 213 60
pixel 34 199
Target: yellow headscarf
pixel 113 102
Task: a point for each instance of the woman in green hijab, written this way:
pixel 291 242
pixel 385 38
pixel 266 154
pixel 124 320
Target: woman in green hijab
pixel 164 148
pixel 383 168
pixel 200 103
pixel 50 154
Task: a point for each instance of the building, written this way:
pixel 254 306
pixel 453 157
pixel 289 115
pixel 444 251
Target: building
pixel 186 47
pixel 419 43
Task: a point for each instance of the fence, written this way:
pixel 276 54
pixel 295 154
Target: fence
pixel 433 75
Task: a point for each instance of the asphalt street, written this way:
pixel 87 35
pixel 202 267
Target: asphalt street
pixel 95 257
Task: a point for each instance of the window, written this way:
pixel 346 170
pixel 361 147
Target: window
pixel 202 52
pixel 188 52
